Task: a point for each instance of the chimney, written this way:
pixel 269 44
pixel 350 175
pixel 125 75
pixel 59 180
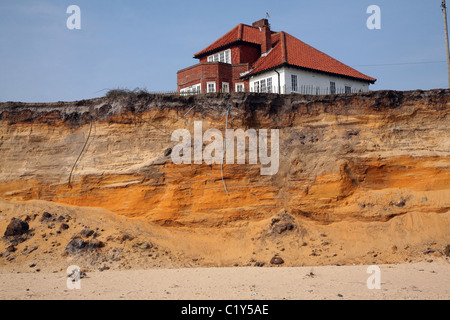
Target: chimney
pixel 266 34
pixel 260 23
pixel 266 41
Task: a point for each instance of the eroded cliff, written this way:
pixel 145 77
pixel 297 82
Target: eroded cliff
pixel 364 167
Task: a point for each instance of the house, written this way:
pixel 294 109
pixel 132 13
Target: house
pixel 257 59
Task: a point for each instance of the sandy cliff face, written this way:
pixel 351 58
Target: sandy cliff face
pixel 356 167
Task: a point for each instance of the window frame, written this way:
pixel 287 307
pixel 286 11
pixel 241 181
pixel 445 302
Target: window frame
pixel 332 87
pixel 262 85
pixel 227 84
pixel 222 56
pixel 239 85
pixel 194 89
pixel 348 89
pixel 269 87
pixel 256 87
pixel 294 85
pixel 211 83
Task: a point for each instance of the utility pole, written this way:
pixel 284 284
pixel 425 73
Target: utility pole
pixel 444 10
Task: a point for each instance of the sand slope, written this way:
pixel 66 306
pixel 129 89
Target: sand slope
pixel 139 244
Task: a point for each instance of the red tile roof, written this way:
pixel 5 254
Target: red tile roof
pixel 286 50
pixel 241 32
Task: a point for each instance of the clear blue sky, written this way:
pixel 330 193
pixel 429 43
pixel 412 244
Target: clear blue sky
pixel 136 43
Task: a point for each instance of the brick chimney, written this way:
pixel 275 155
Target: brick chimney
pixel 266 34
pixel 260 23
pixel 266 41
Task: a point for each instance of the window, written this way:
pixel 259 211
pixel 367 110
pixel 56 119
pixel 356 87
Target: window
pixel 211 87
pixel 332 87
pixel 269 85
pixel 223 56
pixel 225 87
pixel 294 82
pixel 239 87
pixel 263 85
pixel 192 89
pixel 348 89
pixel 256 86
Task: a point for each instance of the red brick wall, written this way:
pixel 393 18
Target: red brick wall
pixel 189 76
pixel 235 55
pixel 205 72
pixel 248 54
pixel 237 69
pixel 241 56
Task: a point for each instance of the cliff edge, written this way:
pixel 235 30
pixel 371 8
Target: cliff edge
pixel 362 177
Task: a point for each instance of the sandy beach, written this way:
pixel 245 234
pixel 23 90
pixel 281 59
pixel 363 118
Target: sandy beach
pixel 421 280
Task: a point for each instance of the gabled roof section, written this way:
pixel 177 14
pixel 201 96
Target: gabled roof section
pixel 240 33
pixel 290 51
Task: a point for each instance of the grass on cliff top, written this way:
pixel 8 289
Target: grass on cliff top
pixel 118 93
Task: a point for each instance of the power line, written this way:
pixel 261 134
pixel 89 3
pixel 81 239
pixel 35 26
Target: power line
pixel 398 64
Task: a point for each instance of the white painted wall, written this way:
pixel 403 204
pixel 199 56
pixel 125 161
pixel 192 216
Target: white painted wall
pixel 268 74
pixel 312 80
pixel 308 82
